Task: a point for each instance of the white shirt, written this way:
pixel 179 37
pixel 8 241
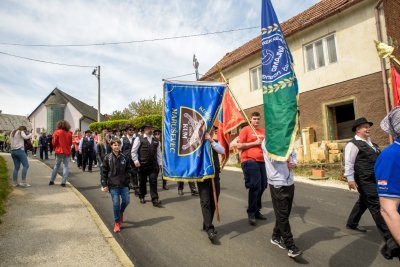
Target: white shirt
pixel 350 155
pixel 136 145
pixel 278 172
pixel 17 141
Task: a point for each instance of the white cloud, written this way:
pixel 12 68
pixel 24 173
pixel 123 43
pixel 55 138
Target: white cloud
pixel 128 71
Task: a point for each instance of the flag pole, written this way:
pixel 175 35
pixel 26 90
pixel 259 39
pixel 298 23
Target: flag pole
pixel 215 200
pixel 237 103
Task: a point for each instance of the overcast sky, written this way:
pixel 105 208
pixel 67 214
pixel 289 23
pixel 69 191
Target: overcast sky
pixel 129 72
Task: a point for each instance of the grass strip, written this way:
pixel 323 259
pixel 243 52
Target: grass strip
pixel 5 188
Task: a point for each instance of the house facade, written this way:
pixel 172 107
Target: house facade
pixel 339 73
pixel 58 105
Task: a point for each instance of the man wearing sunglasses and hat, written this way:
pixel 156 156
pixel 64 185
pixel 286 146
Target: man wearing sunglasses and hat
pixel 360 157
pixel 146 155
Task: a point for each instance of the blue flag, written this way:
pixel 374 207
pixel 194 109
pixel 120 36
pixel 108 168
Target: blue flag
pixel 190 109
pixel 279 85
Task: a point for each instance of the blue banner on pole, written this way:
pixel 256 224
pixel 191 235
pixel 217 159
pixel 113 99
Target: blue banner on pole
pixel 190 109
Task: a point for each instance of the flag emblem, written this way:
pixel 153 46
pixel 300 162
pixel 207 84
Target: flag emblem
pixel 193 127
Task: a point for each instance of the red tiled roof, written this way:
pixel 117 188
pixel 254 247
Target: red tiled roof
pixel 315 14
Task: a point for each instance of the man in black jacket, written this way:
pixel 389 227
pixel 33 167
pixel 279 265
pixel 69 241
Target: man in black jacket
pixel 146 155
pixel 360 157
pixel 115 179
pixel 127 142
pixel 87 147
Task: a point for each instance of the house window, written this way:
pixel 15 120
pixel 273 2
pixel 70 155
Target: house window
pixel 320 53
pixel 340 120
pixel 255 78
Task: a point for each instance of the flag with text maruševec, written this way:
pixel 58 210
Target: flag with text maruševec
pixel 279 84
pixel 229 119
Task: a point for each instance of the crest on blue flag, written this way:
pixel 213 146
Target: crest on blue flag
pixel 190 109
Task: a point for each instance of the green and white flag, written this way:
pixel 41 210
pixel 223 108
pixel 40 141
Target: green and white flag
pixel 279 85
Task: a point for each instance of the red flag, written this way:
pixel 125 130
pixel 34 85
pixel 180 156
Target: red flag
pixel 229 119
pixel 396 87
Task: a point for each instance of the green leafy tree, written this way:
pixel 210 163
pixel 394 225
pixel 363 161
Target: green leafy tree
pixel 145 107
pixel 121 115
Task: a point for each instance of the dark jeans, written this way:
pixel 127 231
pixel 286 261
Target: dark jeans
pixel 94 156
pixel 120 198
pixel 2 145
pixel 255 178
pixel 368 199
pixel 282 200
pixel 207 201
pixel 152 173
pixel 43 149
pixel 87 160
pixel 192 186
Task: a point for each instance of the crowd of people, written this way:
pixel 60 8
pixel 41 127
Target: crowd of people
pixel 129 159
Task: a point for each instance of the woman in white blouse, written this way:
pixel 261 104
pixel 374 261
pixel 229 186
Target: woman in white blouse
pixel 18 154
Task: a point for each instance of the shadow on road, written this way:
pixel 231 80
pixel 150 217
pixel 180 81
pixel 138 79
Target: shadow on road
pixel 148 222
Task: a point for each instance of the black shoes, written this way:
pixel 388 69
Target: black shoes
pixel 294 251
pixel 51 183
pixel 165 187
pixel 156 203
pixel 259 216
pixel 195 193
pixel 142 200
pixel 63 185
pixel 212 234
pixel 180 192
pixel 252 220
pixel 357 228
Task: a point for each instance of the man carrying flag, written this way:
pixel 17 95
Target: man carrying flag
pixel 280 108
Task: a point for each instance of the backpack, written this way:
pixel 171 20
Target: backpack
pixel 28 144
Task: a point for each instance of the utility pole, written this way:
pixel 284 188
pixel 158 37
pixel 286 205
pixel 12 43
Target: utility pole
pixel 96 72
pixel 196 67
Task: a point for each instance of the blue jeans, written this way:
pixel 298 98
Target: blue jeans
pixel 255 177
pixel 19 157
pixel 65 160
pixel 120 198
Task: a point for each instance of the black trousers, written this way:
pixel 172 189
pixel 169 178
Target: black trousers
pixel 192 186
pixel 368 199
pixel 207 201
pixel 151 173
pixel 43 150
pixel 87 160
pixel 282 200
pixel 78 159
pixel 134 178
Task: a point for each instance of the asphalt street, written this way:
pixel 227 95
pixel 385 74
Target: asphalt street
pixel 172 235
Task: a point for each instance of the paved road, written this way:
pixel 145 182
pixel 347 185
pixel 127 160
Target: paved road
pixel 172 236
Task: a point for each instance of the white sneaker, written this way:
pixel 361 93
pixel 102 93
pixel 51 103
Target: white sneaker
pixel 15 184
pixel 24 185
pixel 95 166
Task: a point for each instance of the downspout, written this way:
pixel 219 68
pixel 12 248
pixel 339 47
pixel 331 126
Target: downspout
pixel 383 65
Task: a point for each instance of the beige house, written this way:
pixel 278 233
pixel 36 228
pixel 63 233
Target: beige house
pixel 339 72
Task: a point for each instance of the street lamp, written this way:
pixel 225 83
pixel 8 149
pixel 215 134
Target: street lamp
pixel 96 72
pixel 196 67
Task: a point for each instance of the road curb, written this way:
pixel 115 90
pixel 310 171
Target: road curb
pixel 116 248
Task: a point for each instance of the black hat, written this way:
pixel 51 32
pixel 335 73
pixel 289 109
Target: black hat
pixel 157 131
pixel 147 125
pixel 360 121
pixel 88 131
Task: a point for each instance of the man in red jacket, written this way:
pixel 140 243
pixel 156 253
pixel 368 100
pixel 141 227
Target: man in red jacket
pixel 62 142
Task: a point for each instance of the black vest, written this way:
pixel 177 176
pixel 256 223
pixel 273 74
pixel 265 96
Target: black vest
pixel 148 152
pixel 87 146
pixel 127 146
pixel 365 161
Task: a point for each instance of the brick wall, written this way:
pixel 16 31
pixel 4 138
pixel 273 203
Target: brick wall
pixel 392 19
pixel 369 102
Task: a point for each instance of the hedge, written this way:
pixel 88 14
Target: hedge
pixel 155 120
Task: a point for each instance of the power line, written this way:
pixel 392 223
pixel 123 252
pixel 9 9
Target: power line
pixel 48 62
pixel 131 42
